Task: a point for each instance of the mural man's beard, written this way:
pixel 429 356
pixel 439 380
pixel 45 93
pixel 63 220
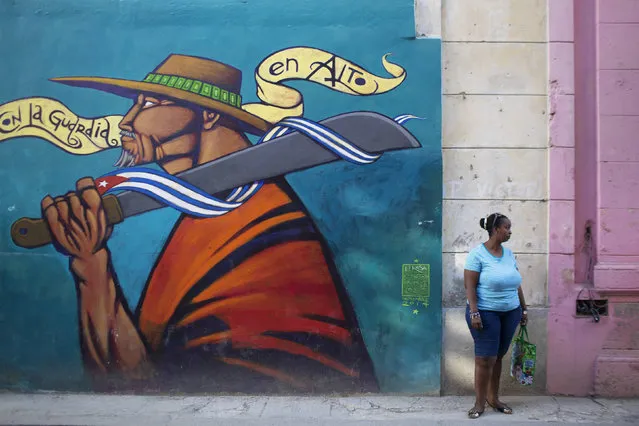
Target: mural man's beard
pixel 126 160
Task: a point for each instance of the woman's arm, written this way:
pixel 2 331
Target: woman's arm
pixel 522 300
pixel 524 308
pixel 471 278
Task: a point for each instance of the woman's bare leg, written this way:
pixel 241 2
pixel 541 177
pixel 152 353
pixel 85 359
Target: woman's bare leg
pixel 484 367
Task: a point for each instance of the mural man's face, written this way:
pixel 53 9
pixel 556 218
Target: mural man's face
pixel 152 122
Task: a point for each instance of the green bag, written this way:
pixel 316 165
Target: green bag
pixel 524 357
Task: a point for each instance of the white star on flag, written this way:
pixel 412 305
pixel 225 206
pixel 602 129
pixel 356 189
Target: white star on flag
pixel 103 184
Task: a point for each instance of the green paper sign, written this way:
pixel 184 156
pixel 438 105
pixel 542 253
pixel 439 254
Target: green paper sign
pixel 415 284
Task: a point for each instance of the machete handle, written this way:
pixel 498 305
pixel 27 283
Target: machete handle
pixel 33 233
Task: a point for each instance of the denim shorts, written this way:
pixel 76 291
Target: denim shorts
pixel 497 333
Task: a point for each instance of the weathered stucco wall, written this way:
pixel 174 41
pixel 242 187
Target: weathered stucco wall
pixel 594 180
pixel 494 128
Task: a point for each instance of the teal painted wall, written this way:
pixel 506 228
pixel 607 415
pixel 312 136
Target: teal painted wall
pixel 374 218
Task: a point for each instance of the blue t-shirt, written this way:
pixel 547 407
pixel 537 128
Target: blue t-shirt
pixel 499 279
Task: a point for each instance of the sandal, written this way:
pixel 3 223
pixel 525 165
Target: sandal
pixel 474 413
pixel 503 408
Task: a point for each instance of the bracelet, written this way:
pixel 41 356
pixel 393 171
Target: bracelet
pixel 474 315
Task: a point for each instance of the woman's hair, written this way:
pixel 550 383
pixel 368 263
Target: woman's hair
pixel 490 222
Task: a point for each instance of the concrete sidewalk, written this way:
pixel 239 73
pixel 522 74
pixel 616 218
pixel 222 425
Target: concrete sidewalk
pixel 67 409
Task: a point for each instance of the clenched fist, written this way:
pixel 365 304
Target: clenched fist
pixel 77 220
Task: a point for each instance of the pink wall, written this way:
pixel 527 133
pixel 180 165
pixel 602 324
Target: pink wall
pixel 594 180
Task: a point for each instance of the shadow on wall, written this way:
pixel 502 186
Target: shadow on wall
pixel 458 359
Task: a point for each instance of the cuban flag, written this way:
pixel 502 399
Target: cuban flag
pixel 172 191
pixel 180 195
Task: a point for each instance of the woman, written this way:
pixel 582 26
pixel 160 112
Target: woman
pixel 495 307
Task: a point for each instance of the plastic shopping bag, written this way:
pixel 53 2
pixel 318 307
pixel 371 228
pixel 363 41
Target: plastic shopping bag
pixel 524 356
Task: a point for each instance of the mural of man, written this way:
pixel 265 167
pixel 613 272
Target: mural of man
pixel 248 301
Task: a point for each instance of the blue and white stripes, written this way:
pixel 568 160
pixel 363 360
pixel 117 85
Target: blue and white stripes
pixel 182 196
pixel 170 190
pixel 401 119
pixel 330 140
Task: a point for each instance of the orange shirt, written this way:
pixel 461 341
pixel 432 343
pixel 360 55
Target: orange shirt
pixel 253 289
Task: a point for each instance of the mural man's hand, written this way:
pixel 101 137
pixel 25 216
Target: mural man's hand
pixel 77 220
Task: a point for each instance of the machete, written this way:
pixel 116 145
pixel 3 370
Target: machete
pixel 372 132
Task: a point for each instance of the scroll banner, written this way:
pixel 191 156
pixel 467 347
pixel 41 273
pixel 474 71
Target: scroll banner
pixel 317 66
pixel 52 121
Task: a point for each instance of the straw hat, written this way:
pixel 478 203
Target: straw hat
pixel 209 84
